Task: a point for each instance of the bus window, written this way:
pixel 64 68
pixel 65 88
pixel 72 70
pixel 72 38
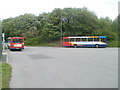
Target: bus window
pixel 90 39
pixel 71 39
pixel 66 40
pixel 103 40
pixel 84 39
pixel 17 40
pixel 77 39
pixel 96 39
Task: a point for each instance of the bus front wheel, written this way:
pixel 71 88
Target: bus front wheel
pixel 75 46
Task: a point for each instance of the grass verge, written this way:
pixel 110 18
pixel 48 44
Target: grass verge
pixel 113 43
pixel 49 44
pixel 6 75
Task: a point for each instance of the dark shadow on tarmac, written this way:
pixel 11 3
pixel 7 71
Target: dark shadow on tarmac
pixel 16 50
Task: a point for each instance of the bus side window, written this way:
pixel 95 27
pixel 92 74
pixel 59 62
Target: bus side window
pixel 96 39
pixel 90 39
pixel 71 39
pixel 84 39
pixel 77 39
pixel 103 40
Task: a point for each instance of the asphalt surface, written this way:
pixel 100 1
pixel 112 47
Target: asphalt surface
pixel 49 67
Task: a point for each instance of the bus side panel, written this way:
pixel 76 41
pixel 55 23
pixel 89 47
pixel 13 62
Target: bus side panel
pixel 101 45
pixel 85 44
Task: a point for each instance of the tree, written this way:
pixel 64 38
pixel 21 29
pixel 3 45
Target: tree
pixel 72 21
pixel 78 21
pixel 105 28
pixel 23 25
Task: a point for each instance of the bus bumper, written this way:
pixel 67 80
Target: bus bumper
pixel 16 48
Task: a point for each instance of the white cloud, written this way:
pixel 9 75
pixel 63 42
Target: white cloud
pixel 12 8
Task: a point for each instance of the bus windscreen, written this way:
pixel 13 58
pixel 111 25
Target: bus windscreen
pixel 17 41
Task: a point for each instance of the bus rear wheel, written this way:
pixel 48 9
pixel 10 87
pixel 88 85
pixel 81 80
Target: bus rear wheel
pixel 97 46
pixel 75 46
pixel 11 50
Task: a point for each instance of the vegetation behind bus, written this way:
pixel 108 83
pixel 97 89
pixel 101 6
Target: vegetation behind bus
pixel 46 28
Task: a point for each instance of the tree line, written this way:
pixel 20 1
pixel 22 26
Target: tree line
pixel 47 27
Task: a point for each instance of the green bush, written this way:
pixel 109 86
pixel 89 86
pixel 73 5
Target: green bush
pixel 31 42
pixel 113 43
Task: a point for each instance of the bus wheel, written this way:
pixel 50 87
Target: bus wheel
pixel 75 46
pixel 97 46
pixel 8 47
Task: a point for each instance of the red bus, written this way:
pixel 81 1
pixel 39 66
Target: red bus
pixel 15 43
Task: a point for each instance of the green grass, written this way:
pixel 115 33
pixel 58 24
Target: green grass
pixel 6 75
pixel 51 44
pixel 113 43
pixel 34 42
pixel 0 76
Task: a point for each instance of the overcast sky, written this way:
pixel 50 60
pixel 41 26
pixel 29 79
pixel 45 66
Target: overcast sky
pixel 13 8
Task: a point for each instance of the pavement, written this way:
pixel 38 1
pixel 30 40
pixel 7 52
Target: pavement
pixel 55 67
pixel 4 58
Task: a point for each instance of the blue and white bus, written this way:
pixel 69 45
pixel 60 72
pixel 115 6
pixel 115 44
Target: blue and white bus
pixel 85 41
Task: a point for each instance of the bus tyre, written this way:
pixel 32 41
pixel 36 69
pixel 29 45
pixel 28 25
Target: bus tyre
pixel 97 46
pixel 75 46
pixel 8 47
